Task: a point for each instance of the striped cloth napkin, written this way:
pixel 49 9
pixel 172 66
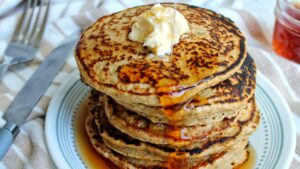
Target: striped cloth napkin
pixel 29 149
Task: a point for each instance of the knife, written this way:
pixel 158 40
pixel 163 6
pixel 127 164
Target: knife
pixel 32 91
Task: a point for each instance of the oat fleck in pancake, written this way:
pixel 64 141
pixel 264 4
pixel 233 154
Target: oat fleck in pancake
pixel 212 51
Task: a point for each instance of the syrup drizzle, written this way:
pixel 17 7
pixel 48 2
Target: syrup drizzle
pixel 249 164
pixel 174 162
pixel 93 160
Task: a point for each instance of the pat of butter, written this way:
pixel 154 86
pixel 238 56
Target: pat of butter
pixel 159 29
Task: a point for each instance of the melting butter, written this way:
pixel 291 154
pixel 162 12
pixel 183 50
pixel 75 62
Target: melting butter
pixel 159 29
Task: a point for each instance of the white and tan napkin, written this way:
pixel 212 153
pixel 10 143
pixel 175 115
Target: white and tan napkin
pixel 255 18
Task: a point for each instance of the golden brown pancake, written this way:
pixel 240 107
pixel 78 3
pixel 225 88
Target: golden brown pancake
pixel 210 105
pixel 194 108
pixel 143 129
pixel 225 160
pixel 212 51
pixel 134 147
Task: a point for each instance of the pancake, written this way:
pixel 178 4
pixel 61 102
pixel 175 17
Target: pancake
pixel 212 51
pixel 128 146
pixel 210 105
pixel 225 160
pixel 143 129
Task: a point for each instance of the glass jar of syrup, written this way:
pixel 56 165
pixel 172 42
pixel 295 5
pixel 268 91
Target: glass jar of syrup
pixel 286 39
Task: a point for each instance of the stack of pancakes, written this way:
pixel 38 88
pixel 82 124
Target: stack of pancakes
pixel 193 109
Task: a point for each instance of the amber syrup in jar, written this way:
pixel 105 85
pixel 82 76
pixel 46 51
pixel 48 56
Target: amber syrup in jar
pixel 286 39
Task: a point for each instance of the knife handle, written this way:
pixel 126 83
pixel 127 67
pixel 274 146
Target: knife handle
pixel 7 134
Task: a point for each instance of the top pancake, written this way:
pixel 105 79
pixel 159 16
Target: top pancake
pixel 210 52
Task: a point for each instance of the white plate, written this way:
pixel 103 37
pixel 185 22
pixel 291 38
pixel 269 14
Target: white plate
pixel 274 141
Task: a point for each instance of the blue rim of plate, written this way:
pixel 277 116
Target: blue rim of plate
pixel 274 141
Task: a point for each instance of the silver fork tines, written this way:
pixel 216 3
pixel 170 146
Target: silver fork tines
pixel 27 35
pixel 30 25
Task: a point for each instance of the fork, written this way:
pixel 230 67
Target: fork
pixel 27 35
